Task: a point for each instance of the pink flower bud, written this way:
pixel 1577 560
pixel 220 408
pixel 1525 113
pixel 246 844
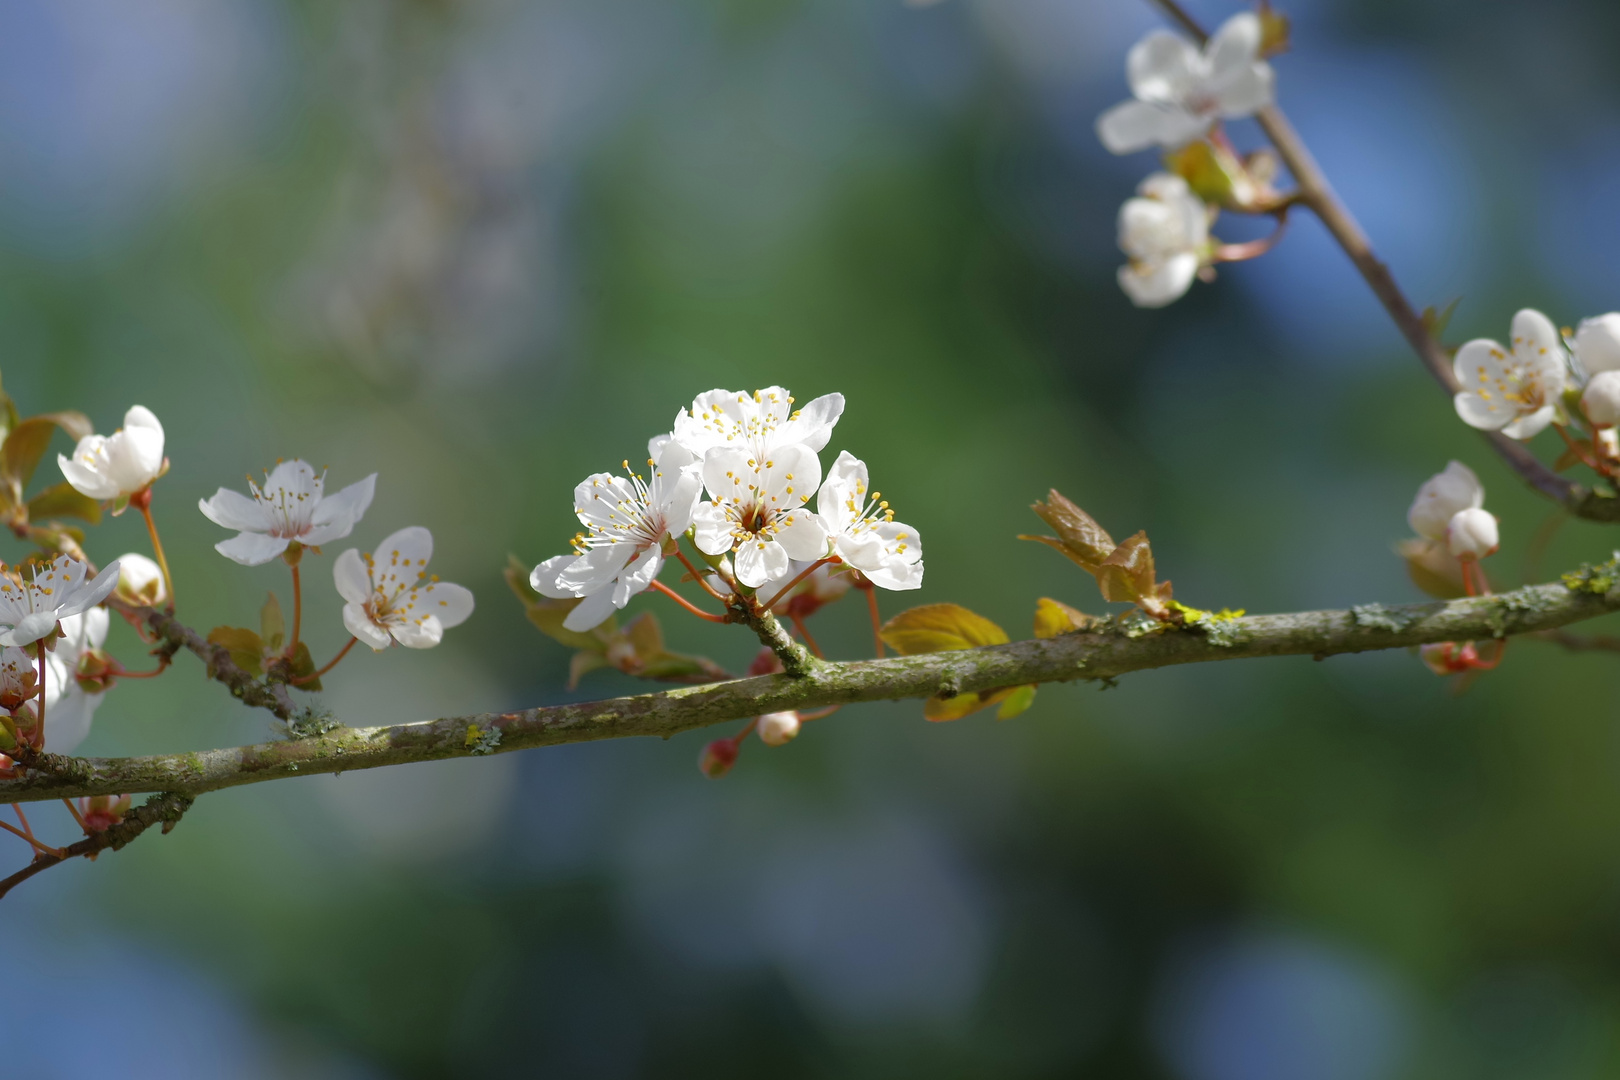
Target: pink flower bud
pixel 718 758
pixel 1448 658
pixel 1601 399
pixel 1472 534
pixel 778 728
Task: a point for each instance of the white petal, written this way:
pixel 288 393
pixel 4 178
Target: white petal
pixel 67 720
pixel 814 423
pixel 802 536
pixel 350 576
pixel 411 546
pixel 678 501
pixel 87 594
pixel 595 569
pixel 1477 412
pixel 86 480
pixel 711 529
pixel 29 629
pixel 637 576
pixel 358 623
pixel 139 416
pixel 897 576
pixel 902 542
pixel 1531 424
pixel 1136 125
pixel 449 603
pixel 1162 67
pixel 728 472
pixel 788 477
pixel 233 510
pixel 1152 285
pixel 252 549
pixel 1246 91
pixel 1531 327
pixel 1597 343
pixel 543 579
pixel 1441 497
pixel 758 561
pixel 592 611
pixel 335 517
pixel 134 457
pixel 418 635
pixel 1235 46
pixel 843 495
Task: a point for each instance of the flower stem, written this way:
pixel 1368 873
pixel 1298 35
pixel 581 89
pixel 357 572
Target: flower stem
pixel 819 714
pixel 1575 449
pixel 298 611
pixel 700 578
pixel 1253 249
pixel 43 849
pixel 804 632
pixel 812 568
pixel 157 550
pixel 39 740
pixel 163 665
pixel 74 810
pixel 877 620
pixel 312 676
pixel 685 603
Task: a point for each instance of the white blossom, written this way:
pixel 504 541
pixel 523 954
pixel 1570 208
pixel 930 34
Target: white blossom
pixel 391 596
pixel 627 522
pixel 290 507
pixel 1601 398
pixel 1164 231
pixel 1516 389
pixel 30 607
pixel 1441 497
pixel 1596 343
pixel 778 728
pixel 756 511
pixel 1472 534
pixel 862 530
pixel 140 581
pixel 1180 91
pixel 759 423
pixel 69 706
pixel 120 464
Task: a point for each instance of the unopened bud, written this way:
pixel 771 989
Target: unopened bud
pixel 778 728
pixel 140 582
pixel 718 758
pixel 1601 399
pixel 1597 343
pixel 1472 534
pixel 1442 496
pixel 1447 657
pixel 102 812
pixel 96 671
pixel 765 662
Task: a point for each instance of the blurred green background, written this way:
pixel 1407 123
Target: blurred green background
pixel 487 248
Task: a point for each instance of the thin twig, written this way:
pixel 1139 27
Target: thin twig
pixel 165 808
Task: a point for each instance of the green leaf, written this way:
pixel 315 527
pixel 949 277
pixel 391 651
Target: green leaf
pixel 548 614
pixel 61 500
pixel 1020 699
pixel 272 628
pixel 1275 30
pixel 1053 618
pixel 939 628
pixel 1436 321
pixel 246 648
pixel 1215 174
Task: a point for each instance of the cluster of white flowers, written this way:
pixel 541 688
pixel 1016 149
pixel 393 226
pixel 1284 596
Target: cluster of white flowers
pixel 1179 93
pixel 756 458
pixel 1519 388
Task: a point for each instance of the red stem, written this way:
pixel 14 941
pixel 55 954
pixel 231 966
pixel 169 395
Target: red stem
pixel 312 676
pixel 804 632
pixel 685 603
pixel 812 568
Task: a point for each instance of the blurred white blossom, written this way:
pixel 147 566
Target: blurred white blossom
pixel 1164 231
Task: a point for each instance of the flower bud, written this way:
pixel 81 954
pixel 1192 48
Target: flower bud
pixel 765 662
pixel 718 758
pixel 1441 497
pixel 102 812
pixel 1472 534
pixel 778 728
pixel 96 671
pixel 140 582
pixel 1597 343
pixel 1449 658
pixel 1601 399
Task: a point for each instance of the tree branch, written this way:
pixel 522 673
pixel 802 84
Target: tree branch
pixel 1096 656
pixel 1317 193
pixel 176 635
pixel 165 808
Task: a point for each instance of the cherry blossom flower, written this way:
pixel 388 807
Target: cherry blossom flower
pixel 70 704
pixel 778 728
pixel 31 607
pixel 290 507
pixel 1472 534
pixel 1442 497
pixel 1164 231
pixel 1515 390
pixel 1596 343
pixel 1600 401
pixel 19 678
pixel 1180 91
pixel 140 581
pixel 759 424
pixel 120 464
pixel 862 530
pixel 757 513
pixel 627 522
pixel 391 596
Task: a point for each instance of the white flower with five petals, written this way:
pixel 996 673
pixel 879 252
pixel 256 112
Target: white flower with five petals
pixel 391 596
pixel 291 506
pixel 627 522
pixel 120 464
pixel 758 423
pixel 757 513
pixel 69 706
pixel 1164 231
pixel 862 530
pixel 31 607
pixel 1517 389
pixel 1442 497
pixel 1180 91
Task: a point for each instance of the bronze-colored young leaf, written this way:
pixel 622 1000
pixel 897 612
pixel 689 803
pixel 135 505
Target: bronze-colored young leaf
pixel 1127 573
pixel 583 663
pixel 272 627
pixel 246 647
pixel 1079 536
pixel 939 628
pixel 300 665
pixel 1215 174
pixel 25 444
pixel 548 614
pixel 1275 30
pixel 1052 617
pixel 61 500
